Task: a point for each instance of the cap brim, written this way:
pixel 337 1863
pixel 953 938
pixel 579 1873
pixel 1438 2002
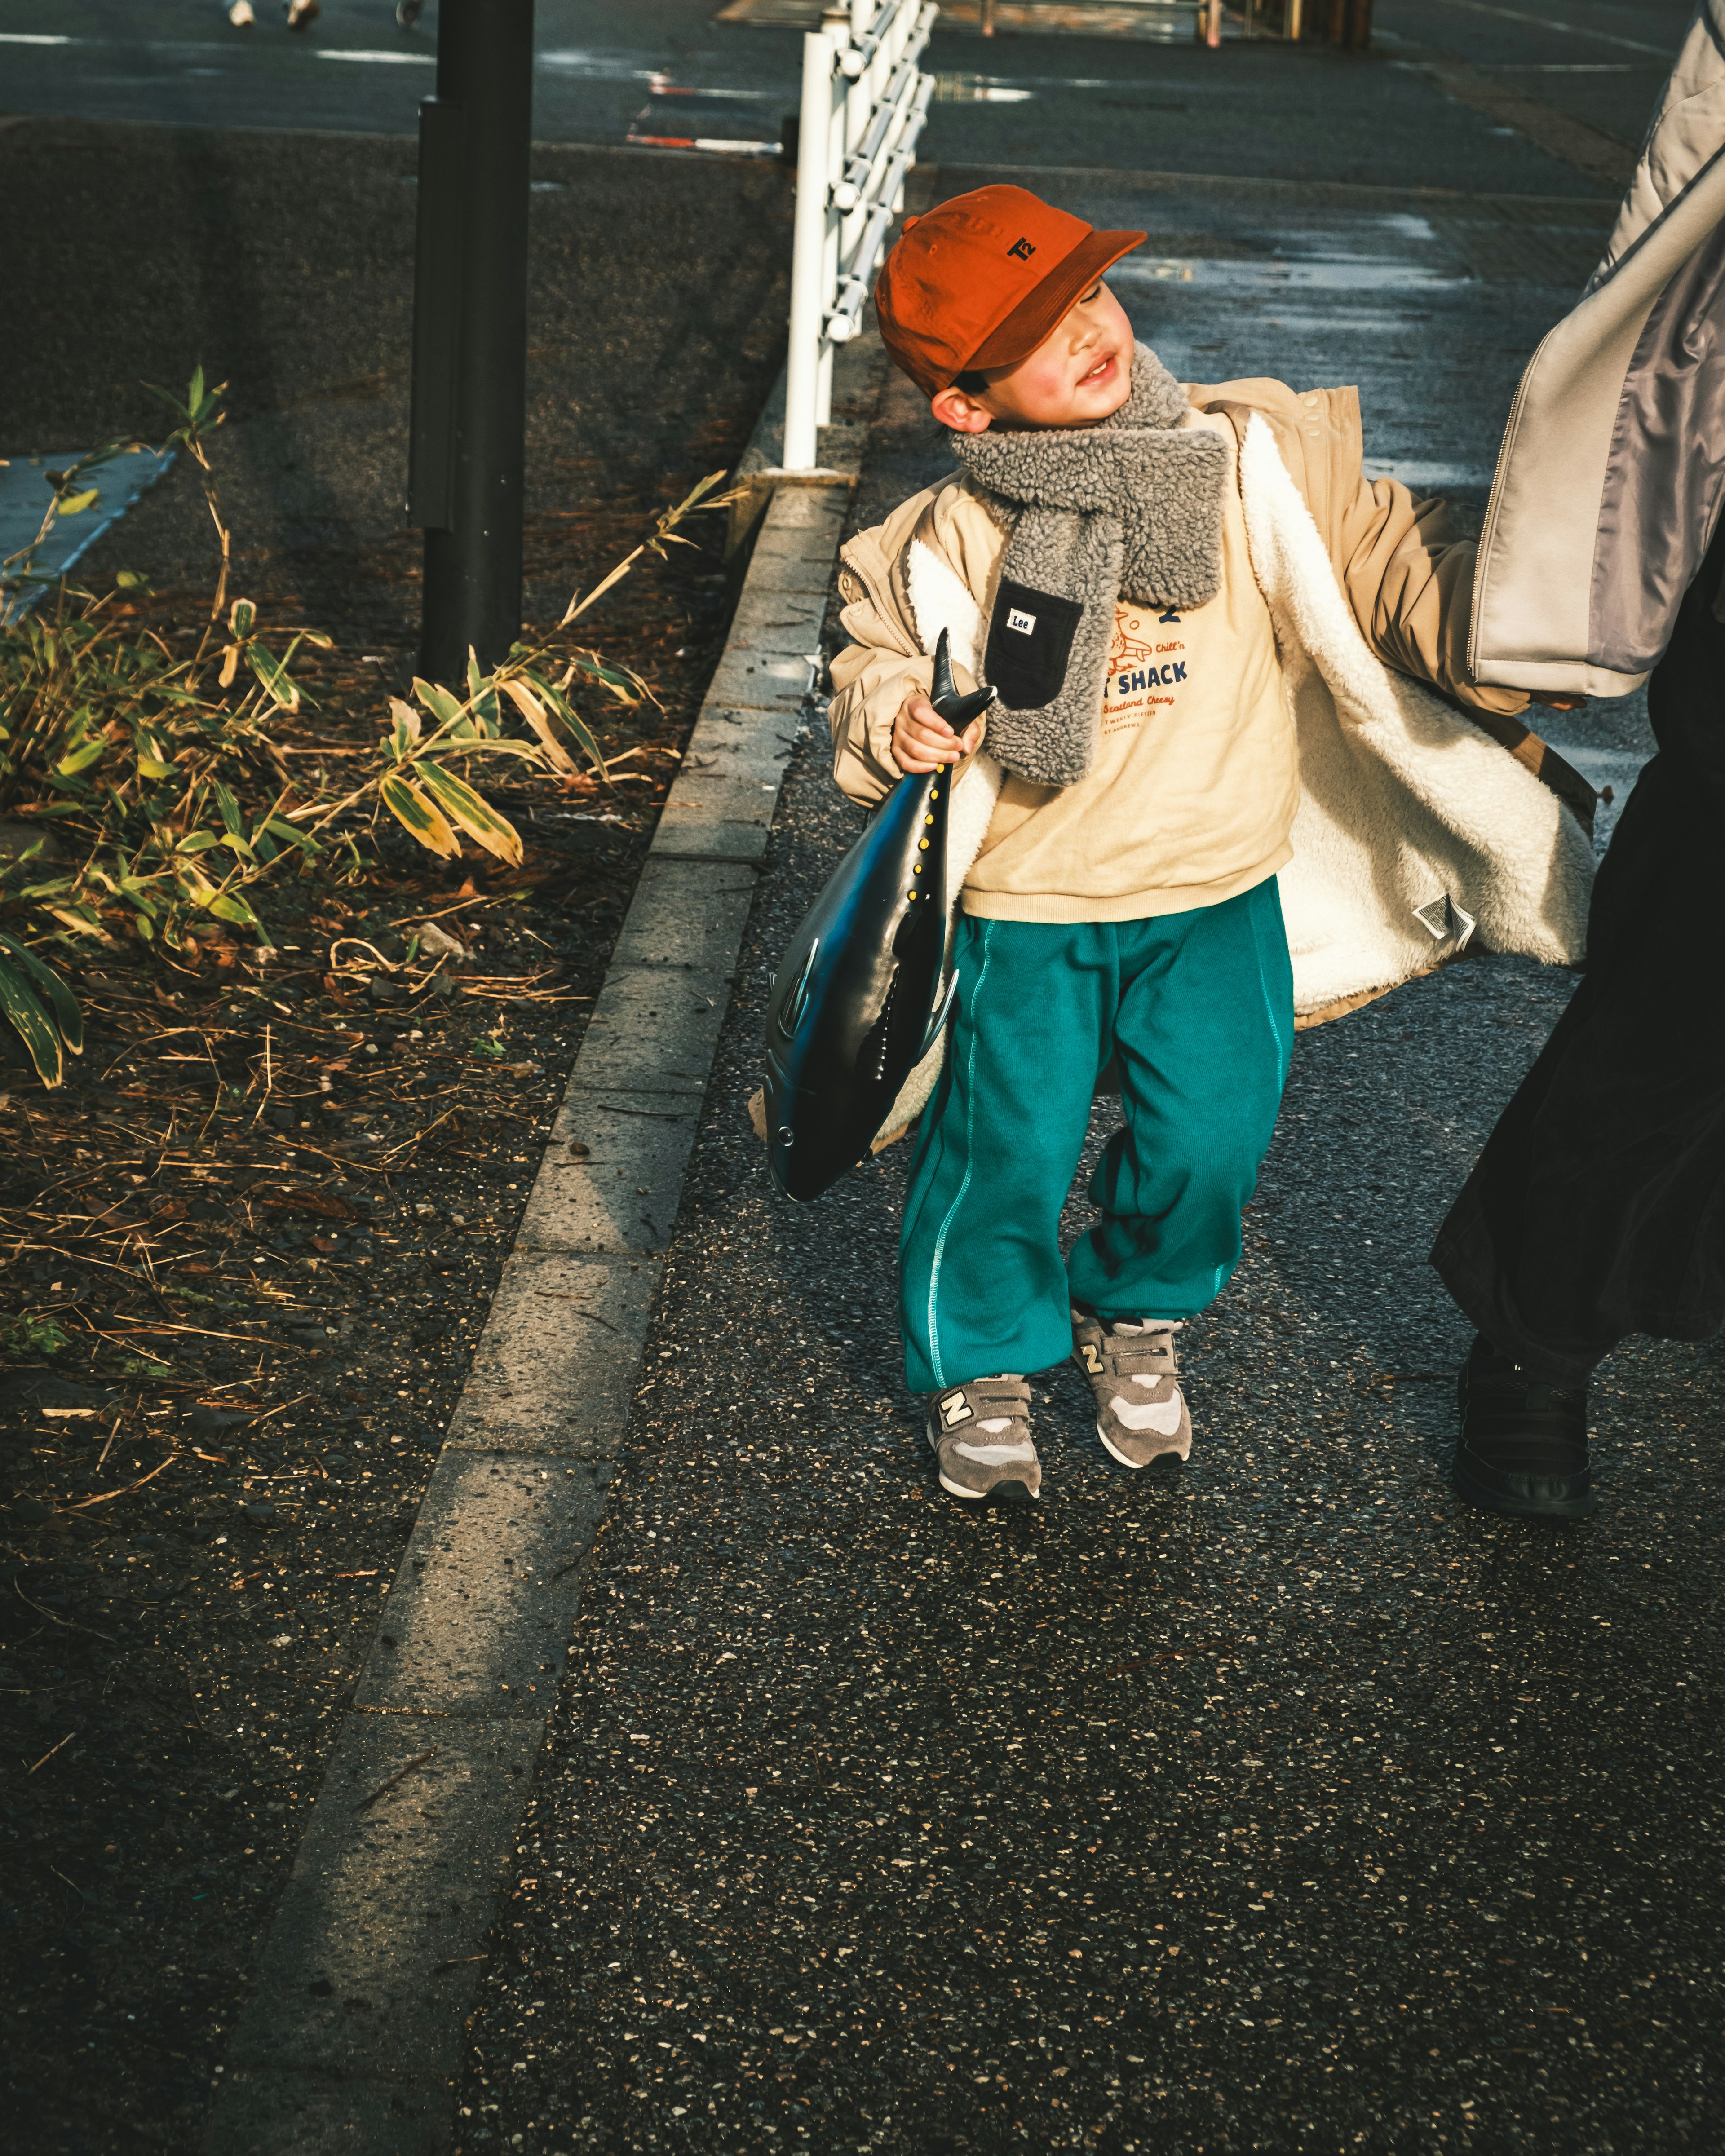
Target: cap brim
pixel 1039 313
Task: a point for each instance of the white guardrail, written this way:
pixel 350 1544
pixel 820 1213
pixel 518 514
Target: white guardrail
pixel 863 104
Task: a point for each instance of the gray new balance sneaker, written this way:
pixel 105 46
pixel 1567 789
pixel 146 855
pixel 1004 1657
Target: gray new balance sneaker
pixel 1141 1411
pixel 980 1434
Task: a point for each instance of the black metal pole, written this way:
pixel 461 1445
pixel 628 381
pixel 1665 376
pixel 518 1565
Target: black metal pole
pixel 466 454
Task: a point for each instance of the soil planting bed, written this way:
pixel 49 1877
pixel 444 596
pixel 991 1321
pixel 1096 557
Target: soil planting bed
pixel 251 1245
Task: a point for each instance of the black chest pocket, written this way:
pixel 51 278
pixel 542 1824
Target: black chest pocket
pixel 1029 642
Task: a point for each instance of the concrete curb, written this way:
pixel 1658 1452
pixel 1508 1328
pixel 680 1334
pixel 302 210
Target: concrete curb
pixel 354 2030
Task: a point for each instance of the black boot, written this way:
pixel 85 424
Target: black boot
pixel 1523 1446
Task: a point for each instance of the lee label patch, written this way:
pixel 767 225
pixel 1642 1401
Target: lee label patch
pixel 1029 641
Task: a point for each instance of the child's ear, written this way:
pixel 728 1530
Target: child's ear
pixel 961 414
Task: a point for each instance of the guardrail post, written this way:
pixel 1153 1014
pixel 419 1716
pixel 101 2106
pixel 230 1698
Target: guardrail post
pixel 835 27
pixel 854 152
pixel 808 246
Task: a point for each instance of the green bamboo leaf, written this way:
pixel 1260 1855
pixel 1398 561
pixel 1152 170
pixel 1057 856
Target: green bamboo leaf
pixel 229 807
pixel 566 712
pixel 229 905
pixel 441 704
pixel 303 839
pixel 75 504
pixel 200 842
pixel 482 697
pixel 274 675
pixel 418 815
pixel 81 757
pixel 621 684
pixel 476 817
pixel 149 769
pixel 30 1022
pixel 242 619
pixel 29 855
pixel 66 1012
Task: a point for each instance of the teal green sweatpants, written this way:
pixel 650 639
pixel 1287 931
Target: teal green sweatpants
pixel 1199 1008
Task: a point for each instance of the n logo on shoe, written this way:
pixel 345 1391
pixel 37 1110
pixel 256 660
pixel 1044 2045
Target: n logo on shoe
pixel 1092 1359
pixel 955 1410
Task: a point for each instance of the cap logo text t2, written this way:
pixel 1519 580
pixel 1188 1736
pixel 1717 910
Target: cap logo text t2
pixel 1022 249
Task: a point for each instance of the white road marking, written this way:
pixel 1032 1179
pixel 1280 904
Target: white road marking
pixel 380 59
pixel 1569 29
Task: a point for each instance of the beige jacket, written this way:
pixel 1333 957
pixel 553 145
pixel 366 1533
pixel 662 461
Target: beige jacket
pixel 1413 827
pixel 1407 576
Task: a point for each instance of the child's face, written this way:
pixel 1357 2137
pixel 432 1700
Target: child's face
pixel 1073 379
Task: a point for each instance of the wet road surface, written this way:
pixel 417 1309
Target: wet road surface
pixel 1263 108
pixel 1286 1805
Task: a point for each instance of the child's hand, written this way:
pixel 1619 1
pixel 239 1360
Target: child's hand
pixel 922 741
pixel 1557 703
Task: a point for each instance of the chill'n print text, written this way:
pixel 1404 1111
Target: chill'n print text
pixel 1143 668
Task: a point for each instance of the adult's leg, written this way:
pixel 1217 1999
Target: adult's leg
pixel 1203 1031
pixel 1598 1206
pixel 982 1289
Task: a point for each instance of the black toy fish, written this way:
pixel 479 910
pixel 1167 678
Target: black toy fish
pixel 857 1004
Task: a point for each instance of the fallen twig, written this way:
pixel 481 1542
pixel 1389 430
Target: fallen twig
pixel 83 1504
pixel 556 1295
pixel 47 1755
pixel 65 1622
pixel 400 1774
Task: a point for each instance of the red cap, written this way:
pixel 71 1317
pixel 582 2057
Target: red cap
pixel 985 279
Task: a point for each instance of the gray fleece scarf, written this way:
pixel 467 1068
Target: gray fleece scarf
pixel 1130 508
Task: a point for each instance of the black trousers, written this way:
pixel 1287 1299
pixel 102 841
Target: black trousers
pixel 1598 1206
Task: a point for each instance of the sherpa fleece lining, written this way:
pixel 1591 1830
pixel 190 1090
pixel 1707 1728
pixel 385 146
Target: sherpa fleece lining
pixel 1131 508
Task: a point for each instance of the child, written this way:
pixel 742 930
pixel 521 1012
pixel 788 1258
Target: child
pixel 1152 578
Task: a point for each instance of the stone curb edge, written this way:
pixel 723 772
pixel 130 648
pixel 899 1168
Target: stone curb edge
pixel 355 2027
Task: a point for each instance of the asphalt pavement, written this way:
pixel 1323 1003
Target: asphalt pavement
pixel 1267 108
pixel 1291 1805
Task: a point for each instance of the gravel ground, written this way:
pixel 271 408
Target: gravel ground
pixel 1285 1805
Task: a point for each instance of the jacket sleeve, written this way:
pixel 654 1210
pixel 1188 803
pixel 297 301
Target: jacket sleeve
pixel 1408 573
pixel 871 677
pixel 1409 577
